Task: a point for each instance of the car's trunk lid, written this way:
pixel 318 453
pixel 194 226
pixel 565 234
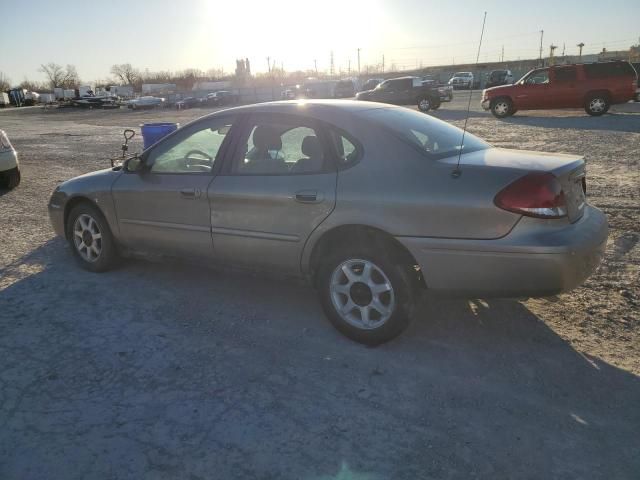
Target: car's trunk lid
pixel 568 169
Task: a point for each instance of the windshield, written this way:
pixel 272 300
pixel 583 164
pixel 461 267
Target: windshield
pixel 431 136
pixel 463 74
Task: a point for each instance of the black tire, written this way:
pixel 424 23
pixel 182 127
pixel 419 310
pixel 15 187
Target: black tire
pixel 108 255
pixel 502 107
pixel 597 104
pixel 400 297
pixel 10 179
pixel 427 103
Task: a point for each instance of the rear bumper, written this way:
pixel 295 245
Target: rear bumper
pixel 532 261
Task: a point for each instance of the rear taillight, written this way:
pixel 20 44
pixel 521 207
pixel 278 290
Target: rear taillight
pixel 534 195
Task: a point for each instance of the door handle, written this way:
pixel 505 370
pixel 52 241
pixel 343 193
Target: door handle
pixel 190 193
pixel 309 196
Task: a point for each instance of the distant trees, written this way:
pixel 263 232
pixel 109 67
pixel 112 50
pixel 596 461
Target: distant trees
pixel 125 73
pixel 5 82
pixel 60 77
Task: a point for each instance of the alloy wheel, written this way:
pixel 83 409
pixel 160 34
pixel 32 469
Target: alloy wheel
pixel 87 237
pixel 362 294
pixel 501 108
pixel 424 105
pixel 597 105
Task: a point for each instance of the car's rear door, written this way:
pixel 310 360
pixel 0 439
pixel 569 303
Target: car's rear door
pixel 276 188
pixel 565 89
pixel 164 207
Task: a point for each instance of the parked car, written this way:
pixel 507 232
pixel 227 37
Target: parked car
pixel 404 91
pixel 593 86
pixel 188 102
pixel 221 98
pixel 499 77
pixel 462 80
pixel 147 101
pixel 371 84
pixel 289 93
pixel 372 203
pixel 344 89
pixel 9 168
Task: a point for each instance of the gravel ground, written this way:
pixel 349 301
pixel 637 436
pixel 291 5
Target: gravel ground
pixel 168 370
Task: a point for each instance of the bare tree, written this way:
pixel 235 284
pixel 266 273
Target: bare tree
pixel 60 77
pixel 32 86
pixel 54 72
pixel 5 82
pixel 125 73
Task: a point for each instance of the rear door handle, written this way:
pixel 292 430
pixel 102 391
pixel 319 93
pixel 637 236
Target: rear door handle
pixel 190 193
pixel 309 196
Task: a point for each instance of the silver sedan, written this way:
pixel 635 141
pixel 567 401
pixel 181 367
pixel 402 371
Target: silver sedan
pixel 372 203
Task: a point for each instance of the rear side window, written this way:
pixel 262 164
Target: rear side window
pixel 608 69
pixel 347 150
pixel 566 74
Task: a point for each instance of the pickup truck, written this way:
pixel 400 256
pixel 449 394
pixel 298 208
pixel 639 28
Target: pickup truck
pixel 404 91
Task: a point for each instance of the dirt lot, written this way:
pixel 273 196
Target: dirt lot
pixel 167 370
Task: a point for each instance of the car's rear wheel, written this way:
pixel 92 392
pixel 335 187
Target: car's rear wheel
pixel 597 105
pixel 366 296
pixel 10 179
pixel 502 107
pixel 427 103
pixel 90 238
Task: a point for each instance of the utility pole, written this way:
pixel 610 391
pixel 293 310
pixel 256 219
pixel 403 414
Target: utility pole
pixel 315 65
pixel 331 68
pixel 552 48
pixel 541 37
pixel 383 63
pixel 580 45
pixel 563 48
pixel 349 69
pixel 358 61
pixel 269 64
pixel 502 55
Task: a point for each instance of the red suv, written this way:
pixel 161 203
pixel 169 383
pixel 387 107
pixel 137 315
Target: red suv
pixel 594 86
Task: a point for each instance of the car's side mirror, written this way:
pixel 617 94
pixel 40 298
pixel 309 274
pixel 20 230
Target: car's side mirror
pixel 134 164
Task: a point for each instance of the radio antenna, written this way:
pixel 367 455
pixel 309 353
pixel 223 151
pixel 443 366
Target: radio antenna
pixel 457 172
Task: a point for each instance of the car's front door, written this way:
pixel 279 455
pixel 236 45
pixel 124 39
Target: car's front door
pixel 278 186
pixel 533 92
pixel 164 205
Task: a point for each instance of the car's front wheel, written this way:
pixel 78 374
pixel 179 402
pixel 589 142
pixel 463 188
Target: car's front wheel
pixel 502 107
pixel 597 105
pixel 366 296
pixel 90 238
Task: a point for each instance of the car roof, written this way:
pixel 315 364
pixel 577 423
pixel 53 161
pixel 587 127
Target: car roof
pixel 318 108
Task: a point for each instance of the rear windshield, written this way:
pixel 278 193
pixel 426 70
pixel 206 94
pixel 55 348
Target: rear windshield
pixel 435 138
pixel 609 69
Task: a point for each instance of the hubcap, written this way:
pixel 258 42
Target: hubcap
pixel 362 294
pixel 597 105
pixel 424 104
pixel 501 108
pixel 87 237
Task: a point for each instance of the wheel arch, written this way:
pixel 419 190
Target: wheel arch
pixel 600 91
pixel 75 201
pixel 358 234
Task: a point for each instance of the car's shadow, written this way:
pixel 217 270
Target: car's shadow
pixel 615 122
pixel 172 369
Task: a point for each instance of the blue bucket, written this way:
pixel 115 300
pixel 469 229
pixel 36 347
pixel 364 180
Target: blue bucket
pixel 153 132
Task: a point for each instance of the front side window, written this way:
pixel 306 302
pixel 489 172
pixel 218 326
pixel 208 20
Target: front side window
pixel 195 152
pixel 283 147
pixel 433 137
pixel 537 77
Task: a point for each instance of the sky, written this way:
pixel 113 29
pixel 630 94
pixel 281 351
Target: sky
pixel 179 34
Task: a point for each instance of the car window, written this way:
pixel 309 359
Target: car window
pixel 433 137
pixel 280 148
pixel 566 74
pixel 608 69
pixel 194 153
pixel 346 149
pixel 538 77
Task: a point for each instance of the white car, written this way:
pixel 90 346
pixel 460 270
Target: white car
pixel 145 102
pixel 461 80
pixel 9 170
